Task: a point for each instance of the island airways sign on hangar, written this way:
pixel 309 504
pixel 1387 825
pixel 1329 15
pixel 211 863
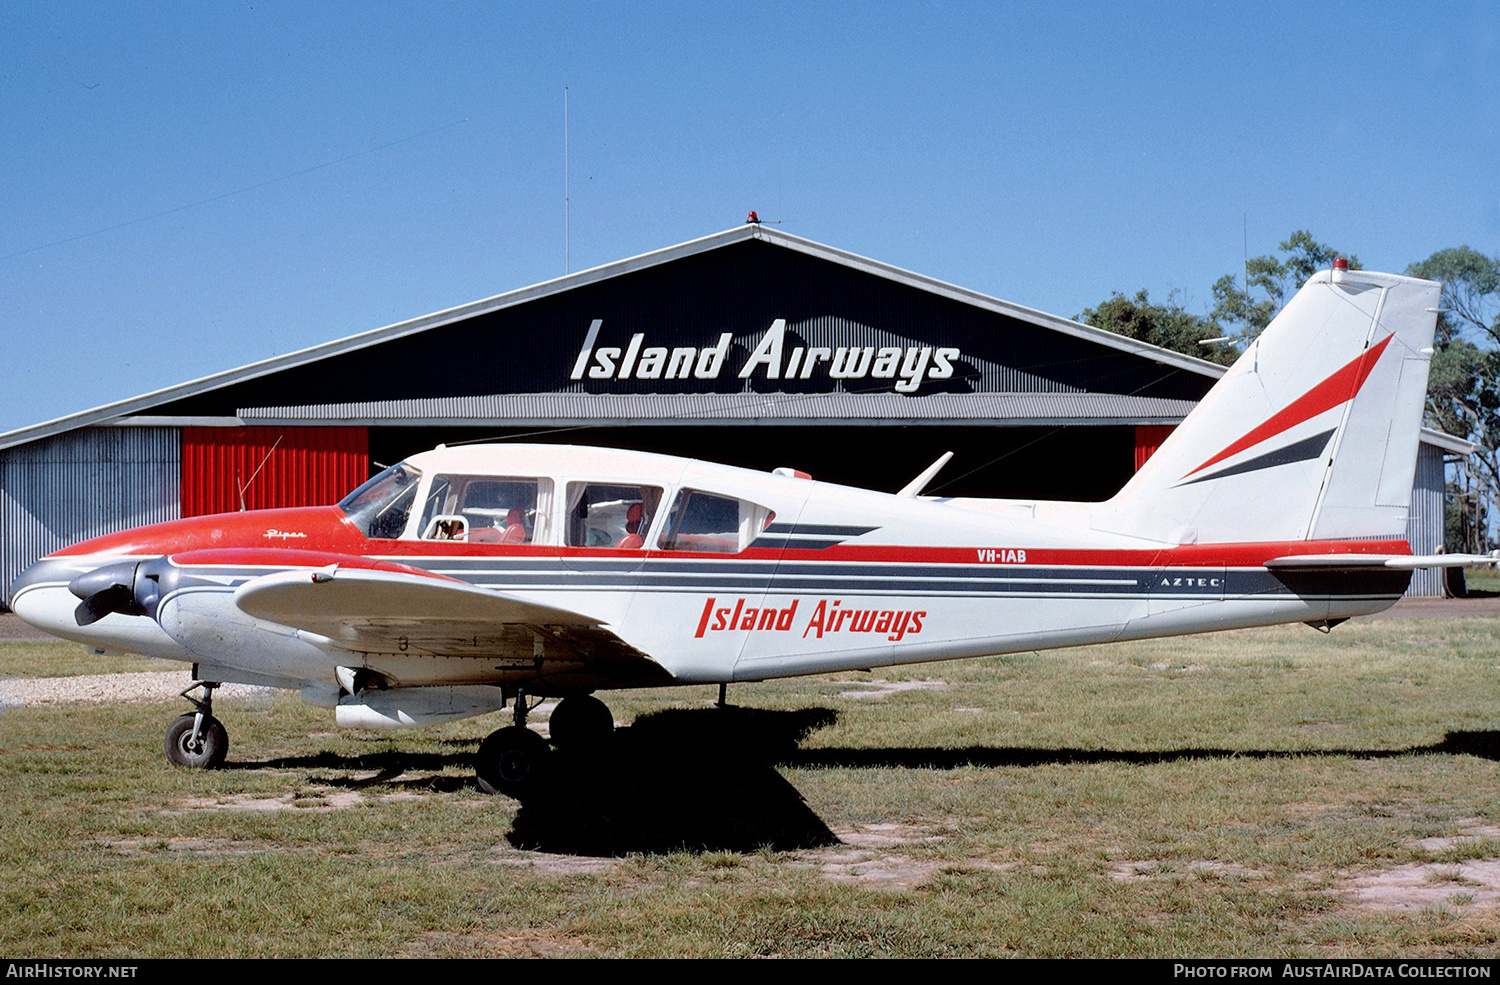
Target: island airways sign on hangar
pixel 908 366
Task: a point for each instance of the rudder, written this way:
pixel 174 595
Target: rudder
pixel 1311 434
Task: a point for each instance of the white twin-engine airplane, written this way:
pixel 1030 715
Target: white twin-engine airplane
pixel 468 579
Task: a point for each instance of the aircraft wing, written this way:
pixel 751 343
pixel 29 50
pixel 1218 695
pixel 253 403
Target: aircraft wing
pixel 376 611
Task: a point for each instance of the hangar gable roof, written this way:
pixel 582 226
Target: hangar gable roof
pixel 138 409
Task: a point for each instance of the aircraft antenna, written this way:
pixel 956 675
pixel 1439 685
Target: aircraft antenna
pixel 246 487
pixel 914 488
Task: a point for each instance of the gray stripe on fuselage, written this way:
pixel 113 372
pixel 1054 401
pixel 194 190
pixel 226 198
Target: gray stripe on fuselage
pixel 875 579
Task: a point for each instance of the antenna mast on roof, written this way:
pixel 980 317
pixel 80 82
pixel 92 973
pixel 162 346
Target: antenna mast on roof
pixel 245 487
pixel 567 252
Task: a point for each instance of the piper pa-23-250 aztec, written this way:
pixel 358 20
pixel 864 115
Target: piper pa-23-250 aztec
pixel 471 578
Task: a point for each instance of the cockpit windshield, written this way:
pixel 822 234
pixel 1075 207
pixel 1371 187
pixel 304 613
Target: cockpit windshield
pixel 382 505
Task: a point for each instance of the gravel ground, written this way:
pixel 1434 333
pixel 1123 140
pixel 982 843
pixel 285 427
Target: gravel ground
pixel 158 686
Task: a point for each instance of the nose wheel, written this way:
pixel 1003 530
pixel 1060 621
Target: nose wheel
pixel 197 740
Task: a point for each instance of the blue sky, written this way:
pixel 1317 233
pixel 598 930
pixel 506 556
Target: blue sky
pixel 185 188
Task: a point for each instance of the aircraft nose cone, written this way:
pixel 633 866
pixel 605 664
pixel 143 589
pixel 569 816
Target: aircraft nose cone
pixel 38 596
pixel 31 577
pixel 47 596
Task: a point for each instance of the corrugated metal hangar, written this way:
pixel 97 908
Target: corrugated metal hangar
pixel 750 347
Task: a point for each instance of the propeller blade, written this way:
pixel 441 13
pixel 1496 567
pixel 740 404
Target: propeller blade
pixel 115 598
pixel 108 588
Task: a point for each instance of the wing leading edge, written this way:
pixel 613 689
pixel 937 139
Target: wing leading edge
pixel 393 612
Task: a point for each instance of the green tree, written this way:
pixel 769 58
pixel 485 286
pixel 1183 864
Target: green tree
pixel 1471 289
pixel 1463 394
pixel 1168 325
pixel 1271 282
pixel 1463 390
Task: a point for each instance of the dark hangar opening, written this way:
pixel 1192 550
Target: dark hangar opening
pixel 1063 462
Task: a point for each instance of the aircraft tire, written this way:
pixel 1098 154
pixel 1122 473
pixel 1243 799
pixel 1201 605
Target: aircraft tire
pixel 208 753
pixel 512 761
pixel 581 722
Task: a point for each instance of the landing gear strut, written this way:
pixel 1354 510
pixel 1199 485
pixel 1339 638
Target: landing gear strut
pixel 198 740
pixel 513 760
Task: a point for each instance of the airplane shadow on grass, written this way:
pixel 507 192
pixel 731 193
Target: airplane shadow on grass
pixel 1485 745
pixel 706 779
pixel 696 780
pixel 679 780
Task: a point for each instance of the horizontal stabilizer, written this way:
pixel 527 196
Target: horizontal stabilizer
pixel 1397 562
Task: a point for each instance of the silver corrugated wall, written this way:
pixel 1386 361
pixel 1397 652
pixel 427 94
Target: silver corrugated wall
pixel 1424 525
pixel 81 484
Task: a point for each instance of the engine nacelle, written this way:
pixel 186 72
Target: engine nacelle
pixel 414 707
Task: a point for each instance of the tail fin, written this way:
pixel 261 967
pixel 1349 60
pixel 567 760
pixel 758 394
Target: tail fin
pixel 1312 434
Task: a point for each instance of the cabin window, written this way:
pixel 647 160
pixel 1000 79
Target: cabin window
pixel 701 521
pixel 487 509
pixel 607 514
pixel 381 507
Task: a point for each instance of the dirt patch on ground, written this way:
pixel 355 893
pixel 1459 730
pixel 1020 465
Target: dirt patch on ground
pixel 557 864
pixel 1418 888
pixel 1425 886
pixel 320 800
pixel 861 859
pixel 1147 870
pixel 493 944
pixel 880 688
pixel 876 870
pixel 189 846
pixel 887 836
pixel 1413 888
pixel 1472 831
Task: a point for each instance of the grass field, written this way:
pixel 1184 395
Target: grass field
pixel 1259 793
pixel 1482 581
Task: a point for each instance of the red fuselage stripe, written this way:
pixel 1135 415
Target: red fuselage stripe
pixel 1195 555
pixel 1338 388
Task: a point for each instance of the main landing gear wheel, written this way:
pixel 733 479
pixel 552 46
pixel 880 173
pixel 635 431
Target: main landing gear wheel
pixel 512 761
pixel 198 740
pixel 202 747
pixel 581 722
